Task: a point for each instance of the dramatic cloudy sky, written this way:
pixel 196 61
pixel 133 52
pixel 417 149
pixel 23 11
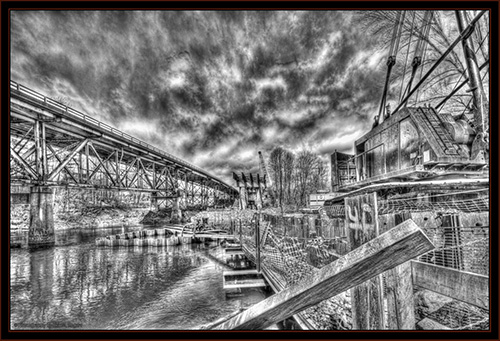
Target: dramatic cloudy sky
pixel 211 87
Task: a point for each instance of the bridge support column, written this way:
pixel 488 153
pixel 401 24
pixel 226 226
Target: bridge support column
pixel 41 229
pixel 154 202
pixel 176 209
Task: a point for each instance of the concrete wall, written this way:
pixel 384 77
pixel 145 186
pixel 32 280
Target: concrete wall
pixel 79 208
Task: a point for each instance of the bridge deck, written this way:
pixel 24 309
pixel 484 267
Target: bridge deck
pixel 53 144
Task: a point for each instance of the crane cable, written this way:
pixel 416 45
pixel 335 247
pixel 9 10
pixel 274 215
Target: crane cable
pixel 396 35
pixel 458 87
pixel 407 54
pixel 425 45
pixel 464 35
pixel 421 45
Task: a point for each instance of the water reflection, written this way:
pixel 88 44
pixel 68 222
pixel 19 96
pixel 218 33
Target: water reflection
pixel 88 287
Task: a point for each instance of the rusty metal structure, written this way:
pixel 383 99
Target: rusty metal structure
pixel 433 168
pixel 52 144
pixel 252 190
pixel 418 143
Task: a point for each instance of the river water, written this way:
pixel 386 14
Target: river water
pixel 78 285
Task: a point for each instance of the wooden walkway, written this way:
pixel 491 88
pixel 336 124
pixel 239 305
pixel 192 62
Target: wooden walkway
pixel 243 279
pixel 399 245
pixel 277 283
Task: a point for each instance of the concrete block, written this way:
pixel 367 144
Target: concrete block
pixel 171 240
pixel 186 240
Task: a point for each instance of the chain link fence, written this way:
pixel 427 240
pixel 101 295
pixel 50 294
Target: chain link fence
pixel 293 246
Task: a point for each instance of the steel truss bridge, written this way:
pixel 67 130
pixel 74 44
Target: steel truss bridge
pixel 54 145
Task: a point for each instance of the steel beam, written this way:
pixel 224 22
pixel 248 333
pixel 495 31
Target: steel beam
pixel 68 159
pixel 24 165
pixel 60 162
pixel 101 164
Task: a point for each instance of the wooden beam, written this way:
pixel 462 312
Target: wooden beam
pixel 362 226
pixel 265 234
pixel 428 324
pixel 399 288
pixel 402 243
pixel 461 285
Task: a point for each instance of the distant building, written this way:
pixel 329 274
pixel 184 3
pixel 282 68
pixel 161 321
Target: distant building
pixel 318 199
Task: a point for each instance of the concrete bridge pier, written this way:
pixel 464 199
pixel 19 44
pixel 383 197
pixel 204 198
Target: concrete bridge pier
pixel 176 208
pixel 41 228
pixel 154 202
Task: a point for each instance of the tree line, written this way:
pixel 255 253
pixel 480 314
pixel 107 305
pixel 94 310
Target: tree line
pixel 295 176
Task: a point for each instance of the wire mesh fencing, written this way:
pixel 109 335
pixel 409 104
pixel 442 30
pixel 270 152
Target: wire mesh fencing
pixel 294 246
pixel 457 223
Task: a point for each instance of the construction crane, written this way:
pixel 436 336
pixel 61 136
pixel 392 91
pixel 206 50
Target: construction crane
pixel 391 61
pixel 265 175
pixel 419 50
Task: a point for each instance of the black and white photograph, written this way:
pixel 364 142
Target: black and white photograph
pixel 248 169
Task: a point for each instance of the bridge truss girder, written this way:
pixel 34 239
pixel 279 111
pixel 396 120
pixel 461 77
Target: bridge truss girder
pixel 50 148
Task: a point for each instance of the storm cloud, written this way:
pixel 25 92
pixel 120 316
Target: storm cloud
pixel 212 87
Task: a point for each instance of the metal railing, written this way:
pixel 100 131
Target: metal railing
pixel 75 113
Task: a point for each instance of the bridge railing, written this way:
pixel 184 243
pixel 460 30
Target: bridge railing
pixel 70 111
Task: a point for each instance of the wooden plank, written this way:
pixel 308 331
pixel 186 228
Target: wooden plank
pixel 265 233
pixel 213 236
pixel 277 284
pixel 362 226
pixel 402 243
pixel 400 301
pixel 428 324
pixel 399 288
pixel 240 272
pixel 234 252
pixel 257 243
pixel 254 283
pixel 461 285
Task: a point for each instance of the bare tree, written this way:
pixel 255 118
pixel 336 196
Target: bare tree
pixel 276 164
pixel 320 176
pixel 304 174
pixel 296 176
pixel 288 165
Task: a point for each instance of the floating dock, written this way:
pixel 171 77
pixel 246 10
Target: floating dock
pixel 243 279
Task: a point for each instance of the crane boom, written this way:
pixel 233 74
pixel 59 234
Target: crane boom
pixel 263 169
pixel 265 174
